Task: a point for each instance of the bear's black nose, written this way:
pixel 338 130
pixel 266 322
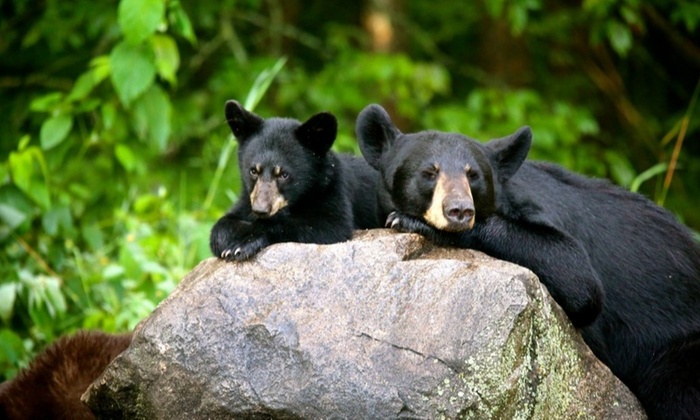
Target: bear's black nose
pixel 459 211
pixel 261 210
pixel 261 214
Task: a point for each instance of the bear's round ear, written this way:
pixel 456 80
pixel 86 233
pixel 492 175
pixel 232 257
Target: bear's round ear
pixel 509 153
pixel 318 133
pixel 243 123
pixel 375 132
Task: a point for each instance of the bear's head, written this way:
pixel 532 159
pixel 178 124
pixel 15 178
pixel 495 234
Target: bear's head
pixel 280 159
pixel 447 179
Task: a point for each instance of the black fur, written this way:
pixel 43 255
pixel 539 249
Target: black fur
pixel 623 269
pixel 52 385
pixel 327 195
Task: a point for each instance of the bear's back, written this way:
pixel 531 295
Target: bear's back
pixel 362 185
pixel 641 253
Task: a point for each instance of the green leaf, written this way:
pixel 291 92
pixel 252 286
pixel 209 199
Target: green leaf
pixel 109 115
pixel 24 142
pixel 620 167
pixel 133 70
pixel 11 348
pixel 46 302
pixel 54 130
pixel 46 103
pixel 82 86
pixel 15 198
pixel 26 177
pixel 620 37
pixel 87 82
pixel 152 117
pixel 58 217
pixel 11 216
pixel 22 170
pixel 517 17
pixel 262 83
pixel 139 19
pixel 55 302
pixel 687 13
pixel 101 65
pixel 180 22
pixel 4 172
pixel 93 236
pixel 125 156
pixel 223 163
pixel 655 170
pixel 167 57
pixel 8 293
pixel 631 16
pixel 494 7
pixel 50 222
pixel 87 105
pixel 112 271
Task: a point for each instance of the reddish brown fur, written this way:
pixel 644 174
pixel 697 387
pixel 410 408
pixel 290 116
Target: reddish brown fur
pixel 52 385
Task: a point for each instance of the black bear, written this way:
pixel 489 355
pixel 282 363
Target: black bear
pixel 624 270
pixel 50 388
pixel 295 189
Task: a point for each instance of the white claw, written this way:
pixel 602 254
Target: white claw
pixel 226 253
pixel 237 252
pixel 394 223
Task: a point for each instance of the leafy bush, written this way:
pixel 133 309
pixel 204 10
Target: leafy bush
pixel 92 236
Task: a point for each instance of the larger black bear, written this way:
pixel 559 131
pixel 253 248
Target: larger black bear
pixel 295 189
pixel 623 269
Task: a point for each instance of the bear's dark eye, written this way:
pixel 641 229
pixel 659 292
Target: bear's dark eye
pixel 253 171
pixel 284 175
pixel 471 173
pixel 431 173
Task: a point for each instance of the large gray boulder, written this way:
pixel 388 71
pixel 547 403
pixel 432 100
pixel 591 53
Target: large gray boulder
pixel 383 326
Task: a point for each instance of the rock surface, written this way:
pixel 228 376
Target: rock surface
pixel 383 326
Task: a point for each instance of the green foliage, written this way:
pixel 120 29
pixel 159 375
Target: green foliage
pixel 687 12
pixel 490 113
pixel 85 244
pixel 54 130
pixel 116 159
pixel 347 81
pixel 614 21
pixel 139 19
pixel 516 12
pixel 133 70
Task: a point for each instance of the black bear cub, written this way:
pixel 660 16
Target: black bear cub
pixel 51 387
pixel 624 270
pixel 295 189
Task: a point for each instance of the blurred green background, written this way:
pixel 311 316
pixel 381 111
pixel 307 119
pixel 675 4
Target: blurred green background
pixel 115 158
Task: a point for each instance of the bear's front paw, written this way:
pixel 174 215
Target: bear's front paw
pixel 393 220
pixel 241 251
pixel 404 223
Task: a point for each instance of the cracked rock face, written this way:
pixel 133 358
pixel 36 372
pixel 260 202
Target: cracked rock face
pixel 383 326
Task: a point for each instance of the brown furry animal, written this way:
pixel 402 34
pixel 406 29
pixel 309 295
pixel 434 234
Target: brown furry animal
pixel 52 385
